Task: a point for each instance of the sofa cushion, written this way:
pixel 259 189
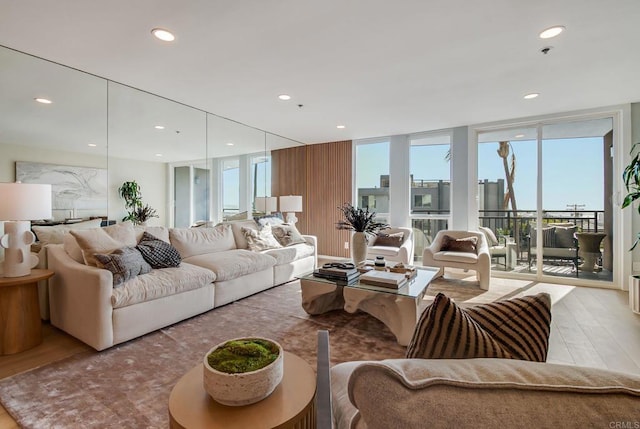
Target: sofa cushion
pixel 464 257
pixel 233 263
pixel 160 283
pixel 285 255
pixel 384 250
pixel 260 239
pixel 236 228
pixel 479 393
pixel 389 240
pixel 513 329
pixel 464 244
pixel 198 241
pixel 54 234
pixel 71 246
pixel 287 234
pixel 124 264
pixel 158 253
pixel 104 240
pixel 160 232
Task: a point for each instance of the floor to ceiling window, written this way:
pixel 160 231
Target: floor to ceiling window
pixel 430 171
pixel 372 177
pixel 544 196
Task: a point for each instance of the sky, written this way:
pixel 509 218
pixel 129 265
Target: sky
pixel 572 169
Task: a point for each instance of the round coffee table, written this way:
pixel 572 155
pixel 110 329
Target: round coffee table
pixel 291 405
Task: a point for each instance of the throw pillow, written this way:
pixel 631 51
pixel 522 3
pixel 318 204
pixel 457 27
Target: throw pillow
pixel 513 329
pixel 125 264
pixel 390 240
pixel 466 244
pixel 55 234
pixel 104 240
pixel 261 239
pixel 158 253
pixel 491 237
pixel 270 219
pixel 287 234
pixel 565 236
pixel 548 237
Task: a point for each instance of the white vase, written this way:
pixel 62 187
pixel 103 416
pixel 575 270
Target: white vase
pixel 358 247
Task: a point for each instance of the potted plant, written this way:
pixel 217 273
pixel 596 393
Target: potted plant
pixel 137 212
pixel 243 371
pixel 631 178
pixel 363 223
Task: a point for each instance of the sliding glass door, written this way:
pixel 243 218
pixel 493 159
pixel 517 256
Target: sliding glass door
pixel 544 195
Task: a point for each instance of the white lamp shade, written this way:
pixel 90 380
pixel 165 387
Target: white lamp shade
pixel 25 201
pixel 266 204
pixel 291 203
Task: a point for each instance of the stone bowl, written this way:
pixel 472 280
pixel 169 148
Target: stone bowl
pixel 237 389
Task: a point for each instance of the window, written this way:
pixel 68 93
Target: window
pixel 372 176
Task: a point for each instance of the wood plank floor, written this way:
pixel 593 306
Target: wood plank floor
pixel 590 327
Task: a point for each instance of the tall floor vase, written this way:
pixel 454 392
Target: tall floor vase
pixel 358 247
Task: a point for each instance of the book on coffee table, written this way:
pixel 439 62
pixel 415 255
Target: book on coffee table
pixel 350 279
pixel 338 272
pixel 384 279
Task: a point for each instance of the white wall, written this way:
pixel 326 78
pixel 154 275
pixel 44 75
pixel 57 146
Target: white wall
pixel 152 176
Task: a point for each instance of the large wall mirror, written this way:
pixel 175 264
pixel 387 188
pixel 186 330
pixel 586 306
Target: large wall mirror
pixel 191 166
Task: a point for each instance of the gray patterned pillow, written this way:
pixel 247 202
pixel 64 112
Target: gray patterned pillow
pixel 158 253
pixel 287 234
pixel 125 264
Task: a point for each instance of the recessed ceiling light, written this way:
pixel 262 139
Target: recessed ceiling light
pixel 43 100
pixel 340 127
pixel 519 136
pixel 158 154
pixel 230 144
pixel 164 35
pixel 159 127
pixel 530 96
pixel 551 32
pixel 92 145
pixel 284 97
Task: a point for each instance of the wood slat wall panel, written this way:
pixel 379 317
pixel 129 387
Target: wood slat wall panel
pixel 321 173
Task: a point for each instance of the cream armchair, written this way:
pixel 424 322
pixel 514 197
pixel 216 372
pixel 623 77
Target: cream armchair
pixel 480 262
pixel 381 246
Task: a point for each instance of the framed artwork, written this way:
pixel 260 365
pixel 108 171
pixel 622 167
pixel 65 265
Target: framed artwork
pixel 76 191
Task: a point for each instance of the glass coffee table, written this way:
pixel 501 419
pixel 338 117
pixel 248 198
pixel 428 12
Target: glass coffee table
pixel 396 308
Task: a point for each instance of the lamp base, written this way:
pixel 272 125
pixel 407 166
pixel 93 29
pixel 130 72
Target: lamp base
pixel 291 218
pixel 17 240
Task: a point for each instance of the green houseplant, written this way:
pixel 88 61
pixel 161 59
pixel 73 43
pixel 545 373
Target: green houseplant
pixel 363 223
pixel 631 179
pixel 137 212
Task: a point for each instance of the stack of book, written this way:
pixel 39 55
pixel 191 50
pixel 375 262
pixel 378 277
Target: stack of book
pixel 340 275
pixel 384 279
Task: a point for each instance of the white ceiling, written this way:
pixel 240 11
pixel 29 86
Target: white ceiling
pixel 379 67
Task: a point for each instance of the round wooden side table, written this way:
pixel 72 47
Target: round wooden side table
pixel 20 324
pixel 291 405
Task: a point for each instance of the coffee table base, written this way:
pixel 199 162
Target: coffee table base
pixel 398 313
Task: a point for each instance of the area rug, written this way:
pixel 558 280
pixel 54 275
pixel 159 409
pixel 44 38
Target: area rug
pixel 128 386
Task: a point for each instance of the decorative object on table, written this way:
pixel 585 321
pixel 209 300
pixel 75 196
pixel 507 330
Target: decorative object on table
pixel 291 205
pixel 76 192
pixel 409 271
pixel 339 272
pixel 20 203
pixel 266 205
pixel 243 371
pixel 137 212
pixel 380 263
pixel 384 279
pixel 362 222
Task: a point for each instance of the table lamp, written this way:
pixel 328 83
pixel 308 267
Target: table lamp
pixel 266 204
pixel 20 203
pixel 291 204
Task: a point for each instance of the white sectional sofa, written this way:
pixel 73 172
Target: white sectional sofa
pixel 216 269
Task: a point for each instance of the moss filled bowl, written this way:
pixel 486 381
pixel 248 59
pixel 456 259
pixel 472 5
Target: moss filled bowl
pixel 243 371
